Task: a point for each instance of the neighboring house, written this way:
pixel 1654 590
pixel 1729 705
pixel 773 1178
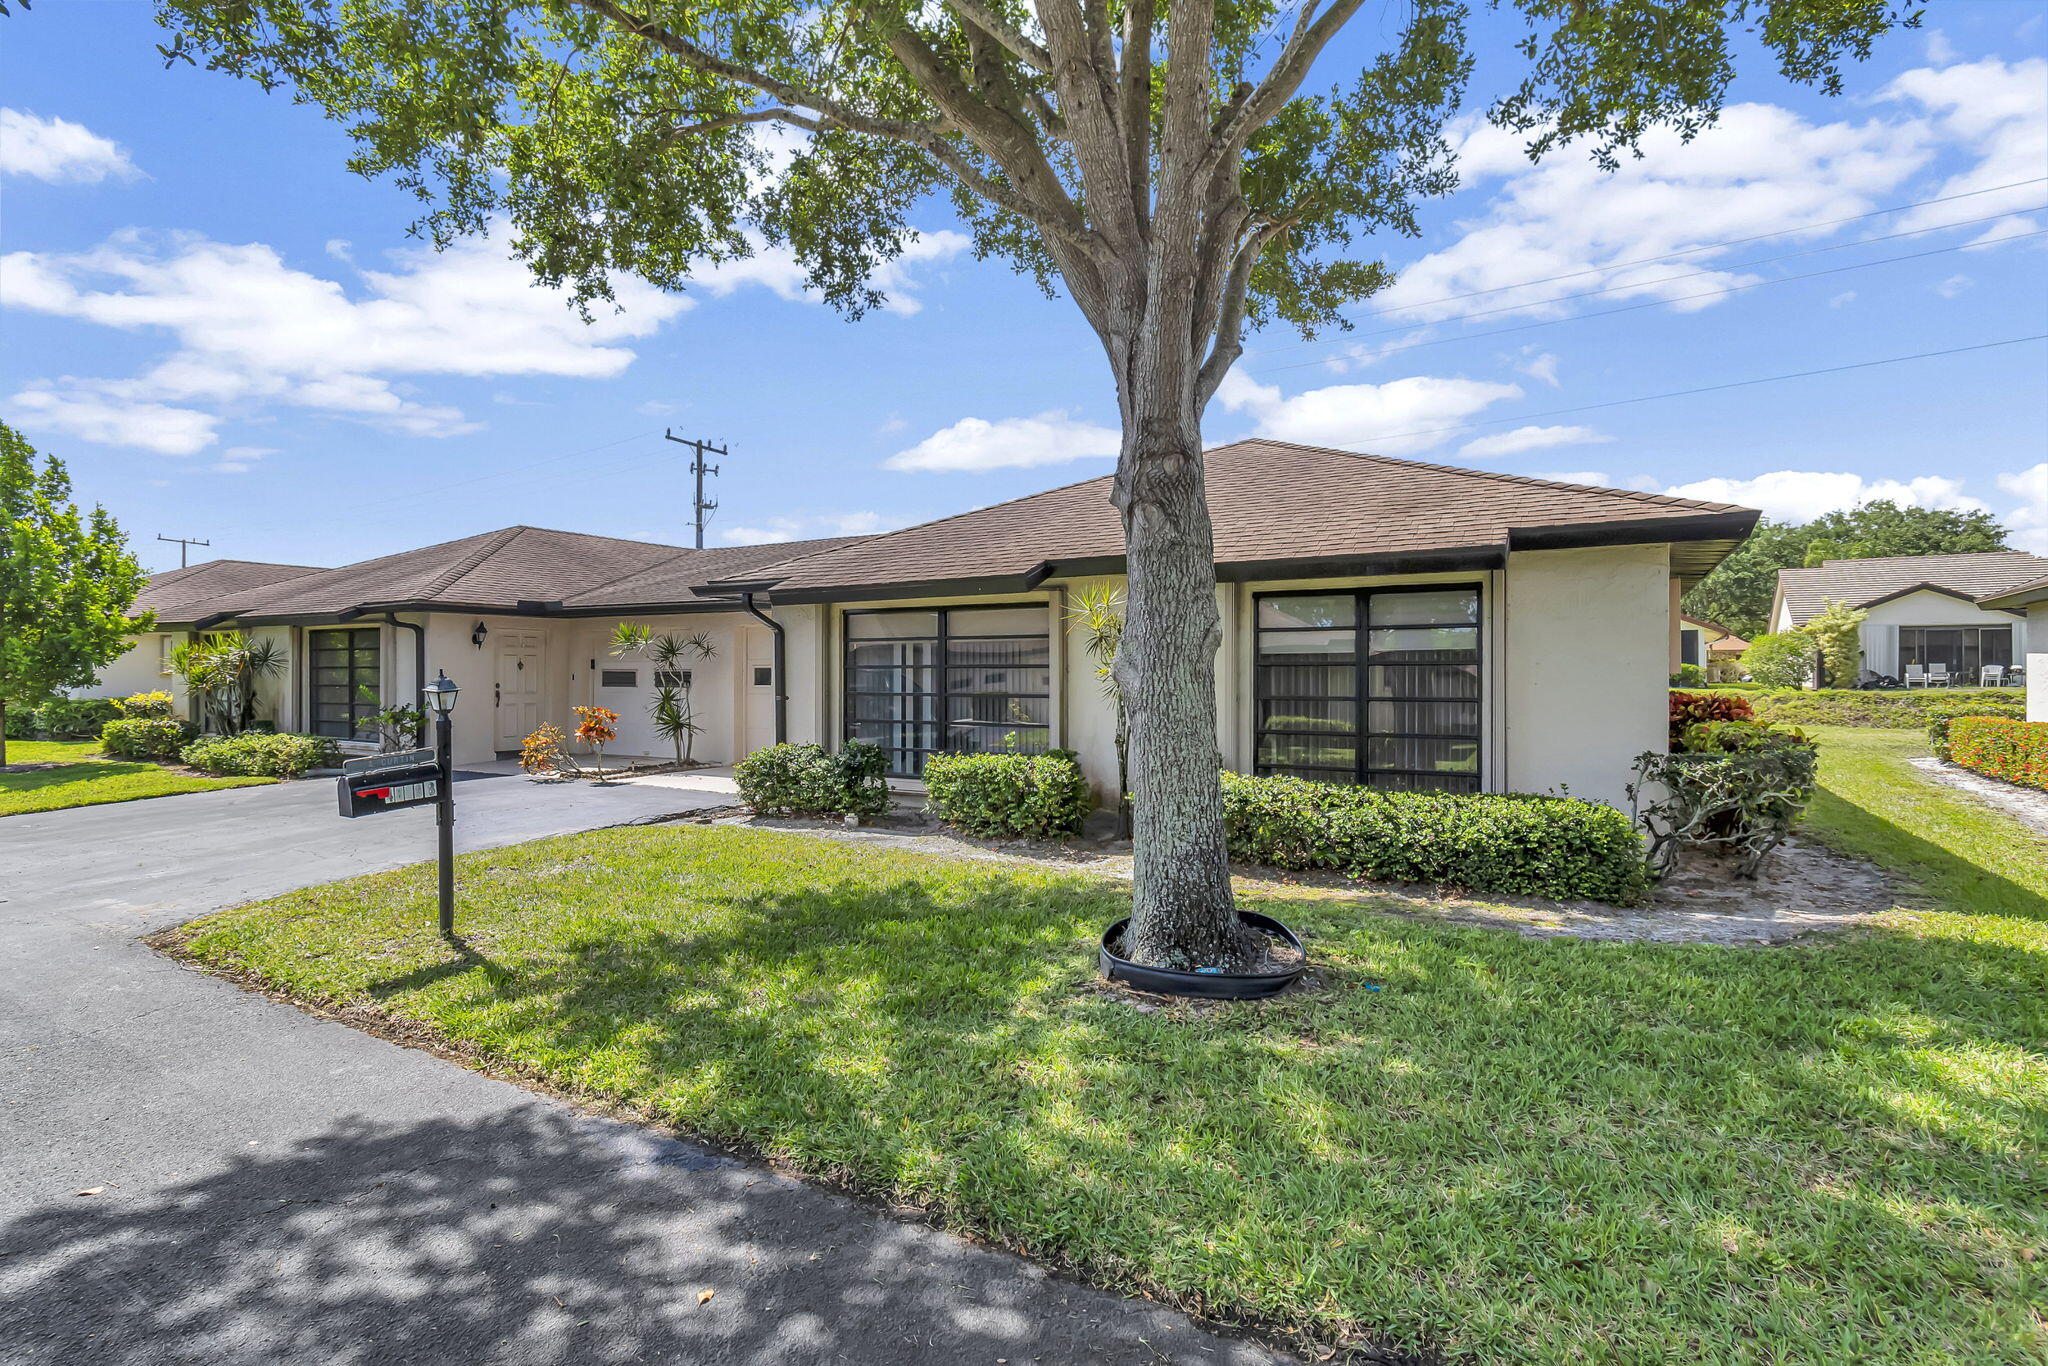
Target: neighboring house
pixel 1923 609
pixel 2031 598
pixel 1383 621
pixel 1713 647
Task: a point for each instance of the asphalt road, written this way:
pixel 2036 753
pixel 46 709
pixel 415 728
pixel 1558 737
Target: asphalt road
pixel 268 1187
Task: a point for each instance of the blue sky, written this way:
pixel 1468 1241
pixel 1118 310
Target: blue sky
pixel 228 336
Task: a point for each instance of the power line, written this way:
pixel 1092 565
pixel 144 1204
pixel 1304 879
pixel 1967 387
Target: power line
pixel 699 505
pixel 1682 393
pixel 1715 246
pixel 1659 303
pixel 184 543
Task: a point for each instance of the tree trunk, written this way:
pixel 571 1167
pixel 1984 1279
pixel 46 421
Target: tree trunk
pixel 1182 914
pixel 3 732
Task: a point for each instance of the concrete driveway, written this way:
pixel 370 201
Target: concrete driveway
pixel 268 1187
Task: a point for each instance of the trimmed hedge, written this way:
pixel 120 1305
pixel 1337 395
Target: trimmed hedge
pixel 75 718
pixel 1877 710
pixel 257 754
pixel 1490 842
pixel 2016 751
pixel 144 737
pixel 807 780
pixel 1032 796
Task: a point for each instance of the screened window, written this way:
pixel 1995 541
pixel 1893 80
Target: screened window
pixel 1965 650
pixel 958 680
pixel 345 681
pixel 618 678
pixel 1380 687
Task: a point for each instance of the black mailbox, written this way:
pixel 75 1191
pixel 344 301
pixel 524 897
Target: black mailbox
pixel 389 782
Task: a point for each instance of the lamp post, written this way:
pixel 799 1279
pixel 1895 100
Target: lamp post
pixel 440 696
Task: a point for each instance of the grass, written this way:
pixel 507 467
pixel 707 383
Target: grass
pixel 87 779
pixel 1512 1149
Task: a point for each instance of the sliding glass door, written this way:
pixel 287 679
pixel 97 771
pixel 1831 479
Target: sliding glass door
pixel 1964 650
pixel 1379 686
pixel 956 680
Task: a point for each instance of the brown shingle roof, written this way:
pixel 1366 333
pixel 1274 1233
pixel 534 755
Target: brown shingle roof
pixel 675 579
pixel 1862 582
pixel 1273 502
pixel 2019 595
pixel 505 570
pixel 181 594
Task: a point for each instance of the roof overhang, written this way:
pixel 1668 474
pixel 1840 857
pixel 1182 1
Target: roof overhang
pixel 1911 589
pixel 2018 599
pixel 1698 542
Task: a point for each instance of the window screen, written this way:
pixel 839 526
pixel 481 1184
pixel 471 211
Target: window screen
pixel 619 678
pixel 1380 687
pixel 671 678
pixel 963 680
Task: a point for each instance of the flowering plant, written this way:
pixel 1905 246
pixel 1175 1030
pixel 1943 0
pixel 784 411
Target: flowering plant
pixel 597 731
pixel 541 756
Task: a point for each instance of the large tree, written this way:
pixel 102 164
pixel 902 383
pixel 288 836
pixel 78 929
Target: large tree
pixel 1737 594
pixel 1164 164
pixel 67 583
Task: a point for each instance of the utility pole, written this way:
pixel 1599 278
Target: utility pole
pixel 698 468
pixel 183 543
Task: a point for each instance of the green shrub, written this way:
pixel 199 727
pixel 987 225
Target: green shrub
pixel 1737 785
pixel 75 718
pixel 2016 751
pixel 1782 660
pixel 21 723
pixel 1882 710
pixel 1691 708
pixel 1493 842
pixel 144 705
pixel 259 755
pixel 144 737
pixel 1029 795
pixel 806 780
pixel 1689 676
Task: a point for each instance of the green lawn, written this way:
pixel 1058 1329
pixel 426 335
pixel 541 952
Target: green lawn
pixel 86 779
pixel 1513 1150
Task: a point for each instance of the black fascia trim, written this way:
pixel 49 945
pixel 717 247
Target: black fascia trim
pixel 1706 526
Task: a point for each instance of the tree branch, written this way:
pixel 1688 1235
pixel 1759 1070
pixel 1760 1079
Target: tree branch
pixel 1304 45
pixel 1004 32
pixel 789 116
pixel 1229 343
pixel 1058 218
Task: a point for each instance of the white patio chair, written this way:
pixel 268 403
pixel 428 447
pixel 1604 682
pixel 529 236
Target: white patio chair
pixel 1991 676
pixel 1916 676
pixel 1937 675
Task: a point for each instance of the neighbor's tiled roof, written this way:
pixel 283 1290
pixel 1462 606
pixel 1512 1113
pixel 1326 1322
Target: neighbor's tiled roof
pixel 1861 582
pixel 500 571
pixel 182 594
pixel 2034 590
pixel 1269 501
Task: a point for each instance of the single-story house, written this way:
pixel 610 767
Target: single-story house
pixel 2031 598
pixel 1384 621
pixel 1923 609
pixel 1708 644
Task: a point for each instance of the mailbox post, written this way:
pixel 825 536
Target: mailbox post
pixel 441 697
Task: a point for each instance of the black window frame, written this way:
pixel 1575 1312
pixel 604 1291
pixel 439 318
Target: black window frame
pixel 359 708
pixel 1361 773
pixel 942 669
pixel 1975 633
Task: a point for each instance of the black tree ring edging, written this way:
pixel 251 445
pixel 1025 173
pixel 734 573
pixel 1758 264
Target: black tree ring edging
pixel 1214 986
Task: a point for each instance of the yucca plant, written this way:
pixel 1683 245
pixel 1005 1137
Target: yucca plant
pixel 670 709
pixel 1098 610
pixel 223 671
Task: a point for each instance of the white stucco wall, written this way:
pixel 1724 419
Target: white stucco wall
pixel 2037 662
pixel 1587 646
pixel 141 669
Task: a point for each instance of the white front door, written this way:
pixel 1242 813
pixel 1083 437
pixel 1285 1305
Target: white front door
pixel 757 692
pixel 518 687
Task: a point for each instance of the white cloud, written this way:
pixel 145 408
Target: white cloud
pixel 76 410
pixel 1539 365
pixel 1761 169
pixel 1532 439
pixel 776 269
pixel 1599 478
pixel 238 459
pixel 1953 285
pixel 1842 300
pixel 250 329
pixel 1997 113
pixel 2028 522
pixel 809 526
pixel 1802 495
pixel 1395 418
pixel 57 150
pixel 974 444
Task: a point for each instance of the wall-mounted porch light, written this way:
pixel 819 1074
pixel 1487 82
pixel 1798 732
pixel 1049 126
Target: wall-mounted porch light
pixel 476 637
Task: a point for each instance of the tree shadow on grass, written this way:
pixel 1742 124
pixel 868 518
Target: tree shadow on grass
pixel 534 1236
pixel 80 771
